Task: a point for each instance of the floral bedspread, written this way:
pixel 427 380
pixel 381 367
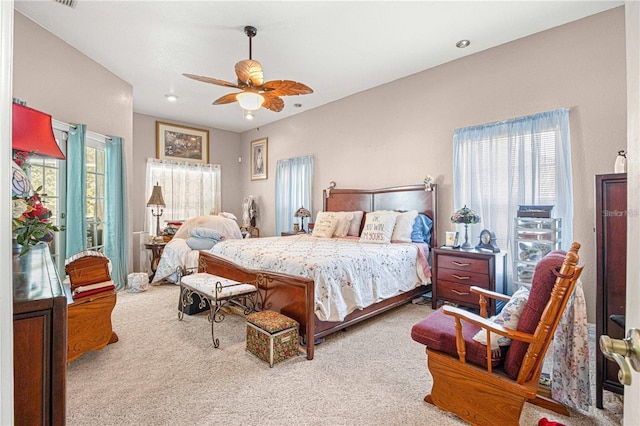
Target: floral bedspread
pixel 348 275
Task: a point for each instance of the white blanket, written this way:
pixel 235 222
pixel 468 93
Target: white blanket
pixel 177 253
pixel 348 275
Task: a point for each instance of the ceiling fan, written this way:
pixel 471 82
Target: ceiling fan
pixel 256 93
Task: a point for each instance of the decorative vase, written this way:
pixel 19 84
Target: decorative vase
pixel 16 248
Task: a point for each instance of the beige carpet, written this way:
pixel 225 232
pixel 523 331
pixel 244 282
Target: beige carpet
pixel 165 372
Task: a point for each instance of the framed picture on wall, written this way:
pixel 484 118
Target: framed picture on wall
pixel 259 159
pixel 174 142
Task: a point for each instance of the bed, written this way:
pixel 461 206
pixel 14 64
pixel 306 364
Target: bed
pixel 197 233
pixel 294 295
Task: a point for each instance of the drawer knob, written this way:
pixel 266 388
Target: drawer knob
pixel 460 264
pixel 460 277
pixel 460 293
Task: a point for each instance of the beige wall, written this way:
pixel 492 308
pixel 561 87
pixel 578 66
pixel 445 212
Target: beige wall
pixel 224 149
pixel 53 77
pixel 381 137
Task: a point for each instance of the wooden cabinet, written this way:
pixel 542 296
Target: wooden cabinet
pixel 456 270
pixel 39 340
pixel 611 261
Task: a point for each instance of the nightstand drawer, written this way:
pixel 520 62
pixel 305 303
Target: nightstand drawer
pixel 463 277
pixel 457 292
pixel 463 264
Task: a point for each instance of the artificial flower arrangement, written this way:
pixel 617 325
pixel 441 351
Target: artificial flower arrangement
pixel 428 183
pixel 31 222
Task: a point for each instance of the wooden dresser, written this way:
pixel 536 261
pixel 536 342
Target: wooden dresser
pixel 39 340
pixel 456 270
pixel 611 263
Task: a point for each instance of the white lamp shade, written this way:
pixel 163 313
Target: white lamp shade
pixel 250 101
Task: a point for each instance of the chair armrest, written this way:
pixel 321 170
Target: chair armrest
pixel 487 324
pixel 488 293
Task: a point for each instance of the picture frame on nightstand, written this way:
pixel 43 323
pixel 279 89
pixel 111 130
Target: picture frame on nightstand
pixel 451 239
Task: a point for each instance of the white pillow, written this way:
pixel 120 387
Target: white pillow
pixel 404 226
pixel 342 229
pixel 227 227
pixel 325 226
pixel 228 215
pixel 354 229
pixel 508 318
pixel 345 223
pixel 378 227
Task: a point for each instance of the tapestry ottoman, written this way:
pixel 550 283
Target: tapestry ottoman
pixel 271 336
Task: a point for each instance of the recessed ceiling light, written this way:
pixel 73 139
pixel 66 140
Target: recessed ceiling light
pixel 462 44
pixel 171 98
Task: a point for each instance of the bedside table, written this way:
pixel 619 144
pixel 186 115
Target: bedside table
pixel 456 270
pixel 156 252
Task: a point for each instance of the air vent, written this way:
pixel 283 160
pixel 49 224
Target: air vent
pixel 70 3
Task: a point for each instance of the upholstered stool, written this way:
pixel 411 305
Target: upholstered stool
pixel 271 336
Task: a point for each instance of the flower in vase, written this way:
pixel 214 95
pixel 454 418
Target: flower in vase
pixel 31 220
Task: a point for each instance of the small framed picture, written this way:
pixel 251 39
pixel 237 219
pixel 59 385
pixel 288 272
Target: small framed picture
pixel 174 142
pixel 451 239
pixel 259 159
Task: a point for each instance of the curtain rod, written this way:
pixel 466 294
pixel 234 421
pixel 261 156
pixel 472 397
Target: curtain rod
pixel 71 126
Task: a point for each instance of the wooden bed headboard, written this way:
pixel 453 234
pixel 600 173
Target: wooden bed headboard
pixel 412 197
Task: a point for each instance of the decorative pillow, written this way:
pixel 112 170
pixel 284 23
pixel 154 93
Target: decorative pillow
pixel 342 229
pixel 346 224
pixel 421 229
pixel 378 227
pixel 354 229
pixel 404 226
pixel 325 226
pixel 508 317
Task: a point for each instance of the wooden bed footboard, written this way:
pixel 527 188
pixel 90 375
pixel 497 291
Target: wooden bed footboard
pixel 294 297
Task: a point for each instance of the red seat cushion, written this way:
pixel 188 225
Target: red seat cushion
pixel 544 279
pixel 437 332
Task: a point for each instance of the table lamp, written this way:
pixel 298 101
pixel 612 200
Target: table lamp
pixel 302 213
pixel 466 216
pixel 157 201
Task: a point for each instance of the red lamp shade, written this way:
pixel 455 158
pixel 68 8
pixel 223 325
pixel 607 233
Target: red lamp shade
pixel 32 132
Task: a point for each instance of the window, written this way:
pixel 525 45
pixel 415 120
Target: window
pixel 499 166
pixel 188 190
pixel 294 187
pixel 95 184
pixel 49 174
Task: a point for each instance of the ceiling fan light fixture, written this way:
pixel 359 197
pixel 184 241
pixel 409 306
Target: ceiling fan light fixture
pixel 250 101
pixel 249 114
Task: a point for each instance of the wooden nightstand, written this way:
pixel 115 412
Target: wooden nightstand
pixel 156 253
pixel 456 270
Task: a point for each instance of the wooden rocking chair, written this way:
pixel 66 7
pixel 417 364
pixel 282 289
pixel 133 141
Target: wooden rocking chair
pixel 483 392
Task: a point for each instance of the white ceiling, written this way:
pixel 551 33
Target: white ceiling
pixel 337 48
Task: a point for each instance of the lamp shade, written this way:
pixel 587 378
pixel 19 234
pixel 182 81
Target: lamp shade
pixel 302 212
pixel 156 197
pixel 250 101
pixel 465 215
pixel 33 133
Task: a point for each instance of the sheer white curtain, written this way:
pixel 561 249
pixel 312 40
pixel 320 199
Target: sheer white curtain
pixel 294 188
pixel 499 166
pixel 188 190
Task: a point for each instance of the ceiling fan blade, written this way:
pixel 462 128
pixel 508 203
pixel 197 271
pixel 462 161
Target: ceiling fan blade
pixel 250 71
pixel 211 80
pixel 286 88
pixel 226 99
pixel 272 102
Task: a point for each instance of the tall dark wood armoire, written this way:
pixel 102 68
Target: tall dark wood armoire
pixel 611 261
